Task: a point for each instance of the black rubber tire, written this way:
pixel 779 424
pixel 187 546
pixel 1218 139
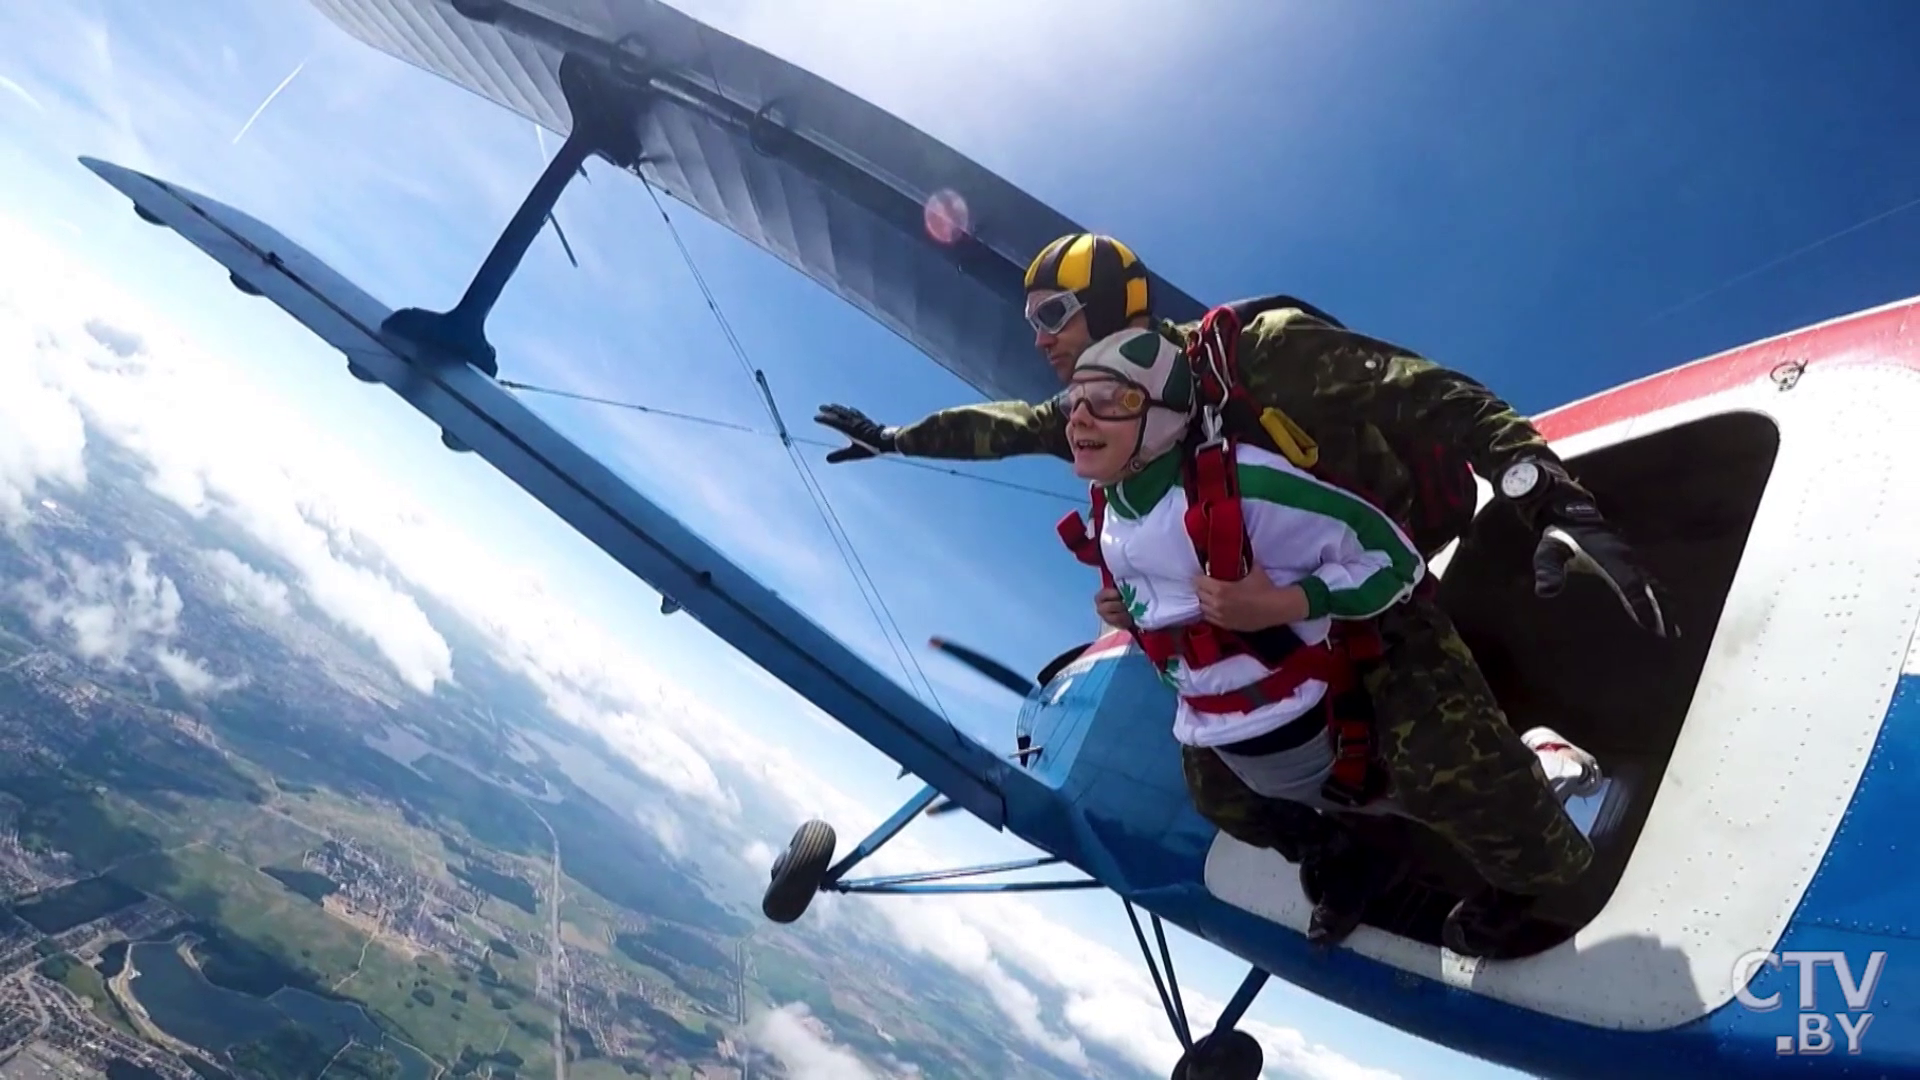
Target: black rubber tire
pixel 798 871
pixel 1234 1055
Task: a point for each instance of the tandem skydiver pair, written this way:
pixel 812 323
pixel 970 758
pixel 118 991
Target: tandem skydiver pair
pixel 1329 682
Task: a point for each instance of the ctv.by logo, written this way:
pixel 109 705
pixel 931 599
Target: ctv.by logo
pixel 1814 1035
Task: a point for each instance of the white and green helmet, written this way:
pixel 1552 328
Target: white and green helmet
pixel 1156 365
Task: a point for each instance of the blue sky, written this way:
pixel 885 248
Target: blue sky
pixel 1553 200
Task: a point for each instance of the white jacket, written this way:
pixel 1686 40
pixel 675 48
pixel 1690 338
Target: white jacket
pixel 1351 559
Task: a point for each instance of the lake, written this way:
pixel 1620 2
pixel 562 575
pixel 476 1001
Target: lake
pixel 182 1003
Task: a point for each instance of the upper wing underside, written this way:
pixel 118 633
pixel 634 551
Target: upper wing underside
pixel 833 186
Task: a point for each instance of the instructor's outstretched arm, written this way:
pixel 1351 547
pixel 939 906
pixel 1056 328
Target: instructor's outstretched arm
pixel 986 432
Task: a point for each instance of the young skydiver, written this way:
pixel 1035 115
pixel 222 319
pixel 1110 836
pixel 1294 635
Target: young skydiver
pixel 1251 660
pixel 1324 553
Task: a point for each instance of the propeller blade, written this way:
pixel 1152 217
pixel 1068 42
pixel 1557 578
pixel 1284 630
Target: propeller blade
pixel 994 670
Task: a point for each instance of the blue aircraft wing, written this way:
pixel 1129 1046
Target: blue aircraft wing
pixel 640 536
pixel 832 185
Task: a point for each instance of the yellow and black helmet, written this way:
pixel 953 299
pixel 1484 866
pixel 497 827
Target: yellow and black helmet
pixel 1109 279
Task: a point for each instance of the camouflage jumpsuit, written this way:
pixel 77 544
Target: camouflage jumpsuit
pixel 1403 432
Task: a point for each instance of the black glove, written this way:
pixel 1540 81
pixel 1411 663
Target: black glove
pixel 869 438
pixel 1576 538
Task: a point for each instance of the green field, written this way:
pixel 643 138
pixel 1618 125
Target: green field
pixel 504 887
pixel 235 867
pixel 83 980
pixel 221 890
pixel 301 945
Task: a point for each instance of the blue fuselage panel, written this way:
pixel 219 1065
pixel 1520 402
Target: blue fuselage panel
pixel 1119 767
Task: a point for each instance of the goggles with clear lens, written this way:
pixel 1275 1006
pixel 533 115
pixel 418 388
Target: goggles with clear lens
pixel 1108 399
pixel 1049 314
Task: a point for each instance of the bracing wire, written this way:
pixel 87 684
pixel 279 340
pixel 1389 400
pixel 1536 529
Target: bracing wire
pixel 729 425
pixel 869 592
pixel 1787 257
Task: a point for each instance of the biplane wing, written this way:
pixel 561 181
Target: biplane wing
pixel 833 186
pixel 647 541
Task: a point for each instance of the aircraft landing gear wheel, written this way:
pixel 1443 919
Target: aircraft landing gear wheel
pixel 798 871
pixel 1232 1055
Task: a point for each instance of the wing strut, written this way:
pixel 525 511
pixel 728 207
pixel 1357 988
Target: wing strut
pixel 606 113
pixel 606 119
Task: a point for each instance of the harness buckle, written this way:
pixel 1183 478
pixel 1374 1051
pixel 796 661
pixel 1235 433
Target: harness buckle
pixel 1355 780
pixel 1203 644
pixel 1213 427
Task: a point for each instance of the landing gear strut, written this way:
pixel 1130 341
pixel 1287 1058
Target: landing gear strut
pixel 802 869
pixel 1225 1053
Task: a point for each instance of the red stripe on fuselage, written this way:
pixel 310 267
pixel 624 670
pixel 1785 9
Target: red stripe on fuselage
pixel 1880 336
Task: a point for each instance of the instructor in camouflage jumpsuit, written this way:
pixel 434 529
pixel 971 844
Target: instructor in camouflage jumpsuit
pixel 1403 433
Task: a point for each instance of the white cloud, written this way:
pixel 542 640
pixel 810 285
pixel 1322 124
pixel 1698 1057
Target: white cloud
pixel 42 436
pixel 191 675
pixel 805 1046
pixel 109 612
pixel 20 92
pixel 146 391
pixel 111 615
pixel 244 586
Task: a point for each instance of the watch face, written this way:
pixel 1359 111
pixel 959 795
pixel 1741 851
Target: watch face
pixel 1519 479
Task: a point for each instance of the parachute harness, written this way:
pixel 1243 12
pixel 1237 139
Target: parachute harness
pixel 1216 525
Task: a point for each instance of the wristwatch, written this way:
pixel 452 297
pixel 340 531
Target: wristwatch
pixel 1522 479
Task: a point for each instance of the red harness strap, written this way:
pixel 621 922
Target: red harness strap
pixel 1216 524
pixel 1085 545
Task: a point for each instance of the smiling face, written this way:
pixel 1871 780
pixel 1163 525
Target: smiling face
pixel 1103 425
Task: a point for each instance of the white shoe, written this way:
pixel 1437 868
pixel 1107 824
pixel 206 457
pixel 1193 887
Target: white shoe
pixel 1572 772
